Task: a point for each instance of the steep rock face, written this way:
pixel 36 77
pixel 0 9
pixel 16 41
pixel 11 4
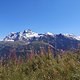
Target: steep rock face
pixel 59 41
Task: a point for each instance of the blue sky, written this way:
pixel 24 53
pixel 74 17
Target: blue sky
pixel 56 16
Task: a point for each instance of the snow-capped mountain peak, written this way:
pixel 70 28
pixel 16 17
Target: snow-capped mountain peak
pixel 72 36
pixel 26 34
pixel 49 33
pixel 28 31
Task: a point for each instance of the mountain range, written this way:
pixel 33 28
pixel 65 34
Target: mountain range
pixel 59 41
pixel 29 34
pixel 27 42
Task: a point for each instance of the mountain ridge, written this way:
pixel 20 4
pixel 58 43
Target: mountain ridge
pixel 58 41
pixel 28 34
